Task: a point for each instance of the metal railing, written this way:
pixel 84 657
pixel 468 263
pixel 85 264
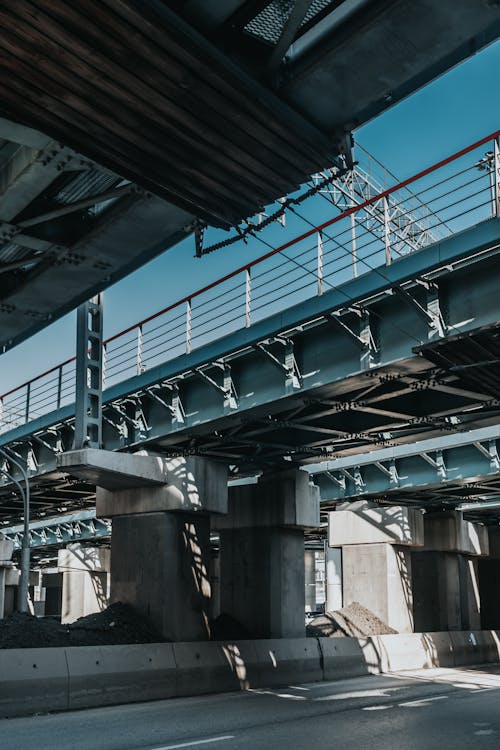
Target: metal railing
pixel 373 229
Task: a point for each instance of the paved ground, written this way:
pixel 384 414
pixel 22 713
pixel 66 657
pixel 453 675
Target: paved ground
pixel 431 710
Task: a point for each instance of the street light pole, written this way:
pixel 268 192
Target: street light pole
pixel 25 549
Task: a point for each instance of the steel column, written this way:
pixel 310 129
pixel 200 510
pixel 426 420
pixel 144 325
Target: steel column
pixel 89 366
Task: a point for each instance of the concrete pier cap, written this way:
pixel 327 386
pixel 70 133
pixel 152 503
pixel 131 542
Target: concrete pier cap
pixel 149 483
pixel 368 523
pixel 447 531
pixel 282 499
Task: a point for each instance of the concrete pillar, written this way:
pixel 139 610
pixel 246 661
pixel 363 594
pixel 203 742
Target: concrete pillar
pixel 445 573
pixel 262 574
pixel 52 585
pixel 436 591
pixel 489 582
pixel 6 550
pixel 373 559
pixel 214 577
pixel 378 576
pixel 310 580
pixel 2 592
pixel 159 564
pixel 85 580
pixel 12 578
pixel 160 542
pixel 334 592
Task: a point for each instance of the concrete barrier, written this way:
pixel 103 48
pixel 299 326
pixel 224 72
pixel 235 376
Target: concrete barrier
pixel 243 662
pixel 55 679
pixel 33 680
pixel 474 647
pixel 439 649
pixel 202 668
pixel 107 675
pixel 348 657
pixel 401 651
pixel 286 660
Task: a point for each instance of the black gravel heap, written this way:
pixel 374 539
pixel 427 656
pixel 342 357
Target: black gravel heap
pixel 118 624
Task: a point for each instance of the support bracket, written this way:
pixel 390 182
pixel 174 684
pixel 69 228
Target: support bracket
pixel 289 366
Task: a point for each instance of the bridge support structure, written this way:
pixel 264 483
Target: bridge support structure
pixel 85 580
pixel 446 578
pixel 376 544
pixel 262 577
pixel 160 542
pixel 6 550
pixel 489 582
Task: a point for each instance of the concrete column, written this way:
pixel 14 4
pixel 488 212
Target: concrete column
pixel 12 578
pixel 159 565
pixel 372 555
pixel 262 580
pixel 214 577
pixel 310 580
pixel 436 591
pixel 52 584
pixel 445 573
pixel 489 582
pixel 160 542
pixel 334 593
pixel 378 576
pixel 6 550
pixel 262 574
pixel 2 592
pixel 85 580
pixel 470 601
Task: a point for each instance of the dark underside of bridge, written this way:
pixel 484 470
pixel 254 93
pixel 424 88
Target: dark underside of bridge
pixel 123 122
pixel 424 397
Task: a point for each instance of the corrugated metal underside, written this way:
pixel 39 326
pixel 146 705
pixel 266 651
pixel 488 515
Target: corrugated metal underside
pixel 164 110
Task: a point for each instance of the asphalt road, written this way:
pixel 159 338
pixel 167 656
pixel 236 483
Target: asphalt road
pixel 431 710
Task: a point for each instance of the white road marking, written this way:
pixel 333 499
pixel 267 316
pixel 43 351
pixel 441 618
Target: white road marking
pixel 196 742
pixel 423 701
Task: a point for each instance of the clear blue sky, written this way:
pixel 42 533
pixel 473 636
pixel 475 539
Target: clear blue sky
pixel 448 114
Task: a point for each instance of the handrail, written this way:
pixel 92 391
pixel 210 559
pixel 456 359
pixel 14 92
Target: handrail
pixel 316 230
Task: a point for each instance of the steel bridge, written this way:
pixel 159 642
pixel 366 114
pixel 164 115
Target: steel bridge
pixel 112 153
pixel 349 338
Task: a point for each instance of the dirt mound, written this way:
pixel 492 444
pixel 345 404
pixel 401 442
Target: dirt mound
pixel 353 621
pixel 118 624
pixel 225 627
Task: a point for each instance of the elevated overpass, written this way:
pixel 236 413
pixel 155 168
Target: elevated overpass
pixel 290 359
pixel 112 152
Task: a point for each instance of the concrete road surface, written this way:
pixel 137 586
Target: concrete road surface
pixel 432 710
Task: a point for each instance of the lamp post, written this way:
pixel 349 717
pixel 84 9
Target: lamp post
pixel 25 549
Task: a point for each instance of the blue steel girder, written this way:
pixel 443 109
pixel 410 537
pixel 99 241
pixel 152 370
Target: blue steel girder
pixel 223 398
pixel 438 470
pixel 61 530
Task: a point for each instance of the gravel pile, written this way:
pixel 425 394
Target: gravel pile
pixel 225 628
pixel 118 624
pixel 353 621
